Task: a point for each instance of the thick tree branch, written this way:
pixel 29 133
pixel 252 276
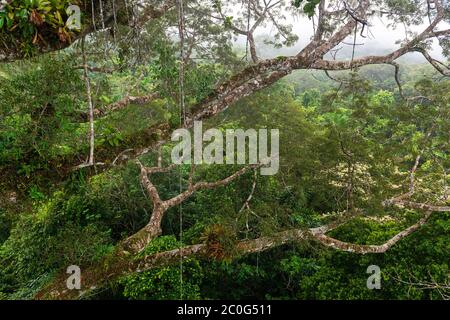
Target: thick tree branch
pixel 124 102
pixel 138 241
pixel 96 17
pixel 364 249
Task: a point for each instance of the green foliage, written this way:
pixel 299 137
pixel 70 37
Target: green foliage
pixel 111 136
pixel 36 249
pixel 5 225
pixel 297 272
pixel 34 111
pixel 343 145
pixel 309 7
pixel 32 20
pixel 359 131
pixel 164 283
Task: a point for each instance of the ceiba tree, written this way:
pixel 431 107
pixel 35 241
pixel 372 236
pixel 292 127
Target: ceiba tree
pixel 334 21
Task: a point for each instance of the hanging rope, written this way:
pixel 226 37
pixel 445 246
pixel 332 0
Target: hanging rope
pixel 181 100
pixel 115 22
pixel 354 45
pixel 248 29
pixel 93 15
pixel 181 28
pixel 364 23
pixel 101 15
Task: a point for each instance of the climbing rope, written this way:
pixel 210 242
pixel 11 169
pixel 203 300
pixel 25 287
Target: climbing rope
pixel 182 106
pixel 354 45
pixel 248 29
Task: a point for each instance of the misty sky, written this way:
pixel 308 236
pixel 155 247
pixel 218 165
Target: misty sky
pixel 381 40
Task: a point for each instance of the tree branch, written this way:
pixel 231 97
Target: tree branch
pixel 138 241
